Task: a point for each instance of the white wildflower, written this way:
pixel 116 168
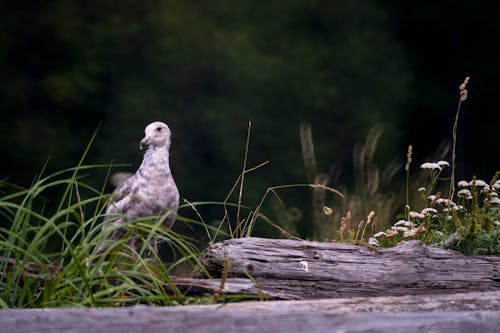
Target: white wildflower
pixel 486 189
pixel 496 185
pixel 441 201
pixel 479 183
pixel 445 202
pixel 401 222
pixel 495 201
pixel 391 233
pixel 465 193
pixel 421 189
pixel 373 241
pixel 429 211
pixel 403 229
pixel 443 164
pixel 410 233
pixel 430 166
pixel 379 234
pixel 463 183
pixel 431 197
pixel 496 223
pixel 417 215
pixel 452 208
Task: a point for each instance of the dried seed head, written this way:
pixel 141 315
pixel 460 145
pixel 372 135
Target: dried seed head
pixel 463 95
pixel 464 84
pixel 375 224
pixel 343 225
pixel 360 224
pixel 408 158
pixel 344 222
pixel 370 217
pixel 463 91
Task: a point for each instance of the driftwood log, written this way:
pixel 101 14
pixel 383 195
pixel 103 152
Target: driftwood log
pixel 451 313
pixel 292 269
pixel 275 269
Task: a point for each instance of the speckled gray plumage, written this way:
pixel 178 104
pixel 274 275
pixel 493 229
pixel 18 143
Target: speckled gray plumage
pixel 151 190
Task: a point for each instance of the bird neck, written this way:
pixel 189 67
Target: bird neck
pixel 156 159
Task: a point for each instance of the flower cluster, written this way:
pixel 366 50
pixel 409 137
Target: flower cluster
pixel 435 165
pixel 433 169
pixel 490 191
pixel 403 228
pixel 439 210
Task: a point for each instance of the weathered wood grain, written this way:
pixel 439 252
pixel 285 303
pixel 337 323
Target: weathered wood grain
pixel 231 286
pixel 323 270
pixel 439 313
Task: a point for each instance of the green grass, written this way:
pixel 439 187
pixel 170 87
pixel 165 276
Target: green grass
pixel 48 248
pixel 60 245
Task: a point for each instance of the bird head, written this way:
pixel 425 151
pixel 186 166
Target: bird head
pixel 157 135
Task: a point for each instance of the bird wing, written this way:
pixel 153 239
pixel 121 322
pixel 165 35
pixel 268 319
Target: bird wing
pixel 122 196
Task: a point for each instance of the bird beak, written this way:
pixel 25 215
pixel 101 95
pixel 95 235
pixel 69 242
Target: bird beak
pixel 144 142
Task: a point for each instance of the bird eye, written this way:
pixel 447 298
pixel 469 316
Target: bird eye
pixel 158 129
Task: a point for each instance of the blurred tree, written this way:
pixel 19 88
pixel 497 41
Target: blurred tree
pixel 206 68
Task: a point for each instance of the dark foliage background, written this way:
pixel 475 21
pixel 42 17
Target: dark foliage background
pixel 208 67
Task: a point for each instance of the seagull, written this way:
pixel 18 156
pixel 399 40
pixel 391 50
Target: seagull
pixel 151 191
